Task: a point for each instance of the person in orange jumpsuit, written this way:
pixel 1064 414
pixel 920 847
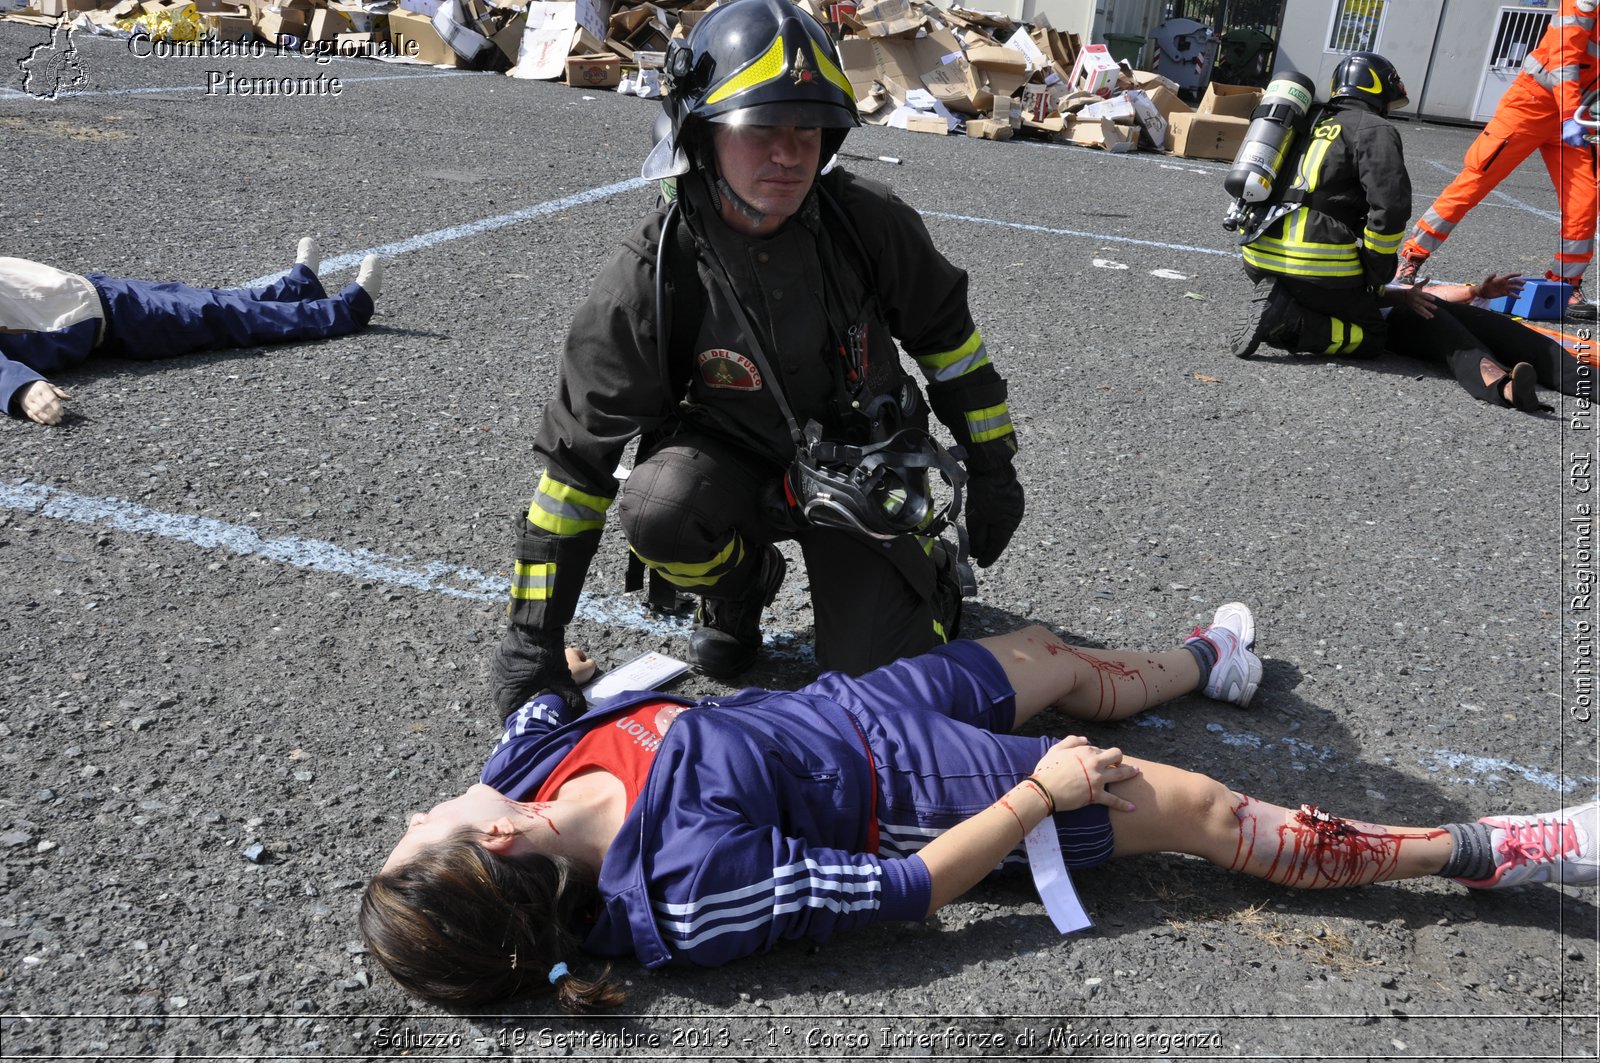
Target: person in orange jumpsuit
pixel 1535 113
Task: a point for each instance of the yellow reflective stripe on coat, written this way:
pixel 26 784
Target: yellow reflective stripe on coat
pixel 948 365
pixel 698 573
pixel 759 72
pixel 1382 243
pixel 532 581
pixel 561 509
pixel 1310 173
pixel 991 422
pixel 1287 263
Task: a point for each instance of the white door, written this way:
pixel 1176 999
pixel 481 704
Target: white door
pixel 1516 34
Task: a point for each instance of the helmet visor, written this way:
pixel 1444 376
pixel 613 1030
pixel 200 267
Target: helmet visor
pixel 802 114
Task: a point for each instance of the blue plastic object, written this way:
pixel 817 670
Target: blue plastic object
pixel 1539 301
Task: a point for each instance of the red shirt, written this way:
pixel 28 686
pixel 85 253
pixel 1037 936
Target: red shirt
pixel 626 747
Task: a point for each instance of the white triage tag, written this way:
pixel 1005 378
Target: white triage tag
pixel 645 672
pixel 1050 878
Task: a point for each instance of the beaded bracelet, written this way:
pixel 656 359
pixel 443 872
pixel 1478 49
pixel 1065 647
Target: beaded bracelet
pixel 1044 792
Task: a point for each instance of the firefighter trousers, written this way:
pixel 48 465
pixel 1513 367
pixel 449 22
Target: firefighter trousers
pixel 698 509
pixel 1343 321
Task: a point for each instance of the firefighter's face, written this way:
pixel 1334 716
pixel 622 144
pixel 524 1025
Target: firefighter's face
pixel 769 167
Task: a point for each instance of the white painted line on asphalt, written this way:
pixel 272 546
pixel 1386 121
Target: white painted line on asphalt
pixel 434 577
pixel 1463 766
pixel 13 94
pixel 1048 231
pixel 466 229
pixel 456 581
pixel 1512 200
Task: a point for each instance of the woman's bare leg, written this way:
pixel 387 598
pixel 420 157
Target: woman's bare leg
pixel 1096 685
pixel 1178 811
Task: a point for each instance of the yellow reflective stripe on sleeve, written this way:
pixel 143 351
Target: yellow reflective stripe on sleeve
pixel 1382 243
pixel 991 422
pixel 531 581
pixel 948 365
pixel 698 573
pixel 561 509
pixel 759 72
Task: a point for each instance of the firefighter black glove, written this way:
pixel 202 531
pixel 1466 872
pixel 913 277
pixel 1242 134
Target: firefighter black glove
pixel 994 509
pixel 528 662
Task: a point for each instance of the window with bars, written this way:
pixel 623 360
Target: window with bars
pixel 1355 25
pixel 1519 32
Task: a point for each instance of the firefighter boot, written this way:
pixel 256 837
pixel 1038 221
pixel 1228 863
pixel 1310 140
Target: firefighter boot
pixel 1265 315
pixel 727 631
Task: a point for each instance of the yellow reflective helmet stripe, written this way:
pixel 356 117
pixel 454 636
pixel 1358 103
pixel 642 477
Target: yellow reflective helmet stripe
pixel 834 75
pixel 764 69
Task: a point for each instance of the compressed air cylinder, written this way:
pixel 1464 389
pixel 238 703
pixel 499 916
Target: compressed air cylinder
pixel 1269 137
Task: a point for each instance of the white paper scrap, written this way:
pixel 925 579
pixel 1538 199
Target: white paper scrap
pixel 645 672
pixel 1050 878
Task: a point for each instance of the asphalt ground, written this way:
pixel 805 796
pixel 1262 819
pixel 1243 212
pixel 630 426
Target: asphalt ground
pixel 249 598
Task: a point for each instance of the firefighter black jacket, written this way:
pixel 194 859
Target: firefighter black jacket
pixel 1354 200
pixel 813 300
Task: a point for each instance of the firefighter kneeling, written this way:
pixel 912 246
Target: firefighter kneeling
pixel 765 300
pixel 1334 244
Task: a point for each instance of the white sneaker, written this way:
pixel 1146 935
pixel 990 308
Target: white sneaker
pixel 1561 847
pixel 370 275
pixel 1237 673
pixel 308 254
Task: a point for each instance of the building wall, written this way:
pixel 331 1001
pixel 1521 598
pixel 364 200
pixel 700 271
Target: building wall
pixel 1441 48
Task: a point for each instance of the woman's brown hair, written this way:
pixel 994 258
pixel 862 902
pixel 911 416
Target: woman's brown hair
pixel 462 927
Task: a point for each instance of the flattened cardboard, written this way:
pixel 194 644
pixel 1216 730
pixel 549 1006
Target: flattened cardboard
pixel 1153 121
pixel 1038 102
pixel 1103 134
pixel 971 83
pixel 602 70
pixel 272 23
pixel 228 25
pixel 1236 101
pixel 990 129
pixel 928 123
pixel 1118 109
pixel 890 18
pixel 327 23
pixel 58 8
pixel 508 42
pixel 412 35
pixel 552 33
pixel 1207 136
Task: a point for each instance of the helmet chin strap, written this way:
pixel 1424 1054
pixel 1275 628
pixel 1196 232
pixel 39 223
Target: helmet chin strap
pixel 721 188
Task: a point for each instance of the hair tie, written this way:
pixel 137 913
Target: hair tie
pixel 558 972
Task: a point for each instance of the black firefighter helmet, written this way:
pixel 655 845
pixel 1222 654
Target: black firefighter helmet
pixel 751 62
pixel 1368 76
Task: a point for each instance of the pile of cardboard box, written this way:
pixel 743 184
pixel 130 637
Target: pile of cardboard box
pixel 912 64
